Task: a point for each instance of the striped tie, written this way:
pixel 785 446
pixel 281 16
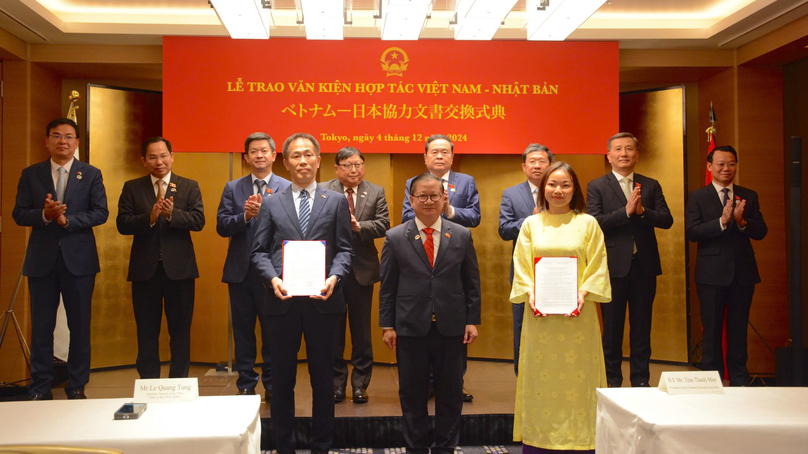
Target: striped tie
pixel 304 211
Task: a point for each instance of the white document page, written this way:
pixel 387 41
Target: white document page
pixel 303 267
pixel 556 284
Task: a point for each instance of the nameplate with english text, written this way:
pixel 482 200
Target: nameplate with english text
pixel 166 390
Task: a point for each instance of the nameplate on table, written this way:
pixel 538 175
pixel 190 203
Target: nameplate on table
pixel 691 382
pixel 166 390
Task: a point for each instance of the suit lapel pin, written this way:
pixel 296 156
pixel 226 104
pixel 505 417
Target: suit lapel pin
pixel 323 196
pixel 269 191
pixel 417 237
pixel 451 188
pixel 447 235
pixel 78 176
pixel 738 198
pixel 173 187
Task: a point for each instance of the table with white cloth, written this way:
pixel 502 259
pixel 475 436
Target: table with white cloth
pixel 743 420
pixel 215 425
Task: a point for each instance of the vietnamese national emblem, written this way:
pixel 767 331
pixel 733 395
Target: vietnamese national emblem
pixel 394 61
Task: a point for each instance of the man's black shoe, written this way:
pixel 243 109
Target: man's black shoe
pixel 75 394
pixel 246 392
pixel 360 396
pixel 339 395
pixel 467 397
pixel 47 396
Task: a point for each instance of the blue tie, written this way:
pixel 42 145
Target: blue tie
pixel 304 211
pixel 261 185
pixel 725 199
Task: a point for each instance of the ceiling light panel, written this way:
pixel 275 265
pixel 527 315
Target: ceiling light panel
pixel 323 19
pixel 480 19
pixel 243 19
pixel 559 19
pixel 403 20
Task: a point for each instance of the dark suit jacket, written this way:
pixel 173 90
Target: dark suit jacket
pixel 172 238
pixel 411 290
pixel 230 223
pixel 724 257
pixel 463 197
pixel 517 204
pixel 86 201
pixel 374 220
pixel 330 220
pixel 607 203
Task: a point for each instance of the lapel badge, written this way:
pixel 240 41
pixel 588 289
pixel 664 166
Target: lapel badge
pixel 452 188
pixel 738 198
pixel 78 176
pixel 269 191
pixel 323 196
pixel 417 237
pixel 447 235
pixel 173 187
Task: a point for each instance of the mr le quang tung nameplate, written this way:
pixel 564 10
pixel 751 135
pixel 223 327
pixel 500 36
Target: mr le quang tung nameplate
pixel 555 284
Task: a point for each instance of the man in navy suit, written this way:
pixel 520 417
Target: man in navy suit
pixel 303 211
pixel 429 306
pixel 161 210
pixel 463 205
pixel 519 202
pixel 462 202
pixel 369 220
pixel 235 219
pixel 628 207
pixel 62 199
pixel 723 217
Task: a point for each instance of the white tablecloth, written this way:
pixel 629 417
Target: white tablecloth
pixel 215 425
pixel 744 420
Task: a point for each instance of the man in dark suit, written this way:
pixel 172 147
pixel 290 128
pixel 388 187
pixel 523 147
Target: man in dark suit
pixel 722 217
pixel 235 219
pixel 62 198
pixel 462 202
pixel 429 306
pixel 161 210
pixel 303 211
pixel 369 220
pixel 463 205
pixel 519 202
pixel 628 207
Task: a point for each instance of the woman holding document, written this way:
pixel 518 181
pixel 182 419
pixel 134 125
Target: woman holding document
pixel 561 358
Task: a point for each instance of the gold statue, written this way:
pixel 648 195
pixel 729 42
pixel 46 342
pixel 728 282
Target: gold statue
pixel 71 111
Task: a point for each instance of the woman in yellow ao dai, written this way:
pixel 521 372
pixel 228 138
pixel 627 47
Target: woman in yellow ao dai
pixel 561 357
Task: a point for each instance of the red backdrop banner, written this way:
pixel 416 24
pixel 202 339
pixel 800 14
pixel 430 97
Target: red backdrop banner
pixel 387 97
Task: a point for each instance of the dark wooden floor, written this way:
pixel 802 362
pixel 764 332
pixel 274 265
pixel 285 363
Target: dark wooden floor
pixel 493 385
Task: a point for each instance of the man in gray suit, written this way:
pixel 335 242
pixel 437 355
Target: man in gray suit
pixel 161 210
pixel 429 306
pixel 369 220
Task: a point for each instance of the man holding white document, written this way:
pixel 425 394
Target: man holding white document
pixel 301 251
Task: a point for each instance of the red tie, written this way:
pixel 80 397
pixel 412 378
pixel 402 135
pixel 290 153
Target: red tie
pixel 429 246
pixel 351 206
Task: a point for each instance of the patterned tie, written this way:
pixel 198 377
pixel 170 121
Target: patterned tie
pixel 161 190
pixel 725 199
pixel 261 185
pixel 626 185
pixel 429 245
pixel 536 196
pixel 349 196
pixel 304 211
pixel 61 182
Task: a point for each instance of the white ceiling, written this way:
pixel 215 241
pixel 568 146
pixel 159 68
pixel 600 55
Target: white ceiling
pixel 712 24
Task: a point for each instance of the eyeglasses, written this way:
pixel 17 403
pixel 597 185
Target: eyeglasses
pixel 348 167
pixel 424 197
pixel 58 137
pixel 443 153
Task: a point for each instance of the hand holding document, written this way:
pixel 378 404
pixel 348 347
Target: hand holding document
pixel 555 285
pixel 303 267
